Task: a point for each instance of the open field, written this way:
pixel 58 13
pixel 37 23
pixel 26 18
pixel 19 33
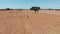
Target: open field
pixel 29 22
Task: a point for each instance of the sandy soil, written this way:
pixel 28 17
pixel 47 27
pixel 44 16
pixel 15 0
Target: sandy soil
pixel 29 22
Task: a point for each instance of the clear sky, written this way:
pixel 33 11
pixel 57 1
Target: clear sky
pixel 26 4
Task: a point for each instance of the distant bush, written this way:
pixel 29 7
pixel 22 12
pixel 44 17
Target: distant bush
pixel 19 9
pixel 49 9
pixel 7 8
pixel 35 9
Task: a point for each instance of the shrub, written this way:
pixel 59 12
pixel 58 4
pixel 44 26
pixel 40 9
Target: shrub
pixel 19 9
pixel 7 8
pixel 35 8
pixel 49 8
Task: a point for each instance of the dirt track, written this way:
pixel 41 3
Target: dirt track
pixel 27 22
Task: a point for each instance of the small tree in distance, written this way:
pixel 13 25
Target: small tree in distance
pixel 49 8
pixel 7 8
pixel 35 9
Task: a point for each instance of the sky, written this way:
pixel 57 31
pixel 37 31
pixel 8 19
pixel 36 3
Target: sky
pixel 26 4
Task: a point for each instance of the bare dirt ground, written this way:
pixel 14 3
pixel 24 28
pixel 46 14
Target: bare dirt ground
pixel 28 22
